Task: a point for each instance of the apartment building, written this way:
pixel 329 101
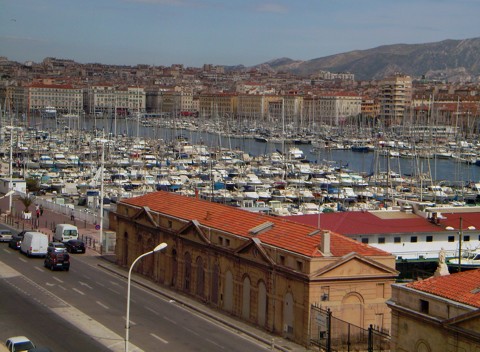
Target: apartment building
pixel 395 96
pixel 63 97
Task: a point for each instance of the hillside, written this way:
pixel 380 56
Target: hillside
pixel 455 60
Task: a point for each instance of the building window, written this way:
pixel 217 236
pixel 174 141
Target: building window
pixel 466 238
pixel 397 239
pixel 413 239
pixel 423 306
pixel 380 290
pixel 299 265
pixel 227 242
pixel 365 240
pixel 325 293
pixel 429 238
pixel 451 238
pixel 282 260
pixel 169 224
pixel 381 240
pixel 220 240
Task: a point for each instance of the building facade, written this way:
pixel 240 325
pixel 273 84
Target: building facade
pixel 437 314
pixel 395 97
pixel 265 270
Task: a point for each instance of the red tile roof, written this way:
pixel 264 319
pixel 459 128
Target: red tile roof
pixel 285 234
pixel 358 222
pixel 463 287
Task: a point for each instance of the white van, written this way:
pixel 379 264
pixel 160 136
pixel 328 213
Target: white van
pixel 65 232
pixel 34 244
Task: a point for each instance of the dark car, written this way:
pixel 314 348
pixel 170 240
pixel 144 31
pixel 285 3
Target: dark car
pixel 15 242
pixel 57 258
pixel 75 246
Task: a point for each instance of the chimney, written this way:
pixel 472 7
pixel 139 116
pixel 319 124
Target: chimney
pixel 324 246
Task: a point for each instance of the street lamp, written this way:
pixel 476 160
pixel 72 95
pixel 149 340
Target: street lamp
pixel 127 319
pixel 460 235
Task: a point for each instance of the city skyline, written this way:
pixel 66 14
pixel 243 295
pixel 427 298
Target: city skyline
pixel 193 33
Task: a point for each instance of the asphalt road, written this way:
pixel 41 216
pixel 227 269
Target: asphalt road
pixel 87 306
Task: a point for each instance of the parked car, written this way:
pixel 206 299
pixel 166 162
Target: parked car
pixel 5 235
pixel 75 246
pixel 57 259
pixel 19 343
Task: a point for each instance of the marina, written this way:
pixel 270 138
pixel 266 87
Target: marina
pixel 280 177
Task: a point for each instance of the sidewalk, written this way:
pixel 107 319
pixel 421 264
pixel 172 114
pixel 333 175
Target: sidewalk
pixel 46 222
pixel 87 232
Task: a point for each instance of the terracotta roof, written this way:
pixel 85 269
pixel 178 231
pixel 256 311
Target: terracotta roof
pixel 463 287
pixel 358 222
pixel 289 235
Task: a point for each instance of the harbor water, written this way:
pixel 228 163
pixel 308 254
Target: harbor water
pixel 450 171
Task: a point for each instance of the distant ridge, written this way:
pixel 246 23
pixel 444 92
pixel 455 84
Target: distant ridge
pixel 452 60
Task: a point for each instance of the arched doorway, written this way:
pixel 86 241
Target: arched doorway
pixel 174 267
pixel 228 293
pixel 125 249
pixel 246 298
pixel 200 284
pixel 352 309
pixel 215 281
pixel 187 278
pixel 262 304
pixel 288 314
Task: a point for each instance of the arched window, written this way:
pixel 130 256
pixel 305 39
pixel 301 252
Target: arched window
pixel 200 287
pixel 215 281
pixel 262 304
pixel 188 272
pixel 228 293
pixel 246 298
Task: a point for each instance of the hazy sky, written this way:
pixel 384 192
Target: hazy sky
pixel 222 32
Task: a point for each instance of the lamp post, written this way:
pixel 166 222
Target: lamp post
pixel 127 319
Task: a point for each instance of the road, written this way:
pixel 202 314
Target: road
pixel 93 303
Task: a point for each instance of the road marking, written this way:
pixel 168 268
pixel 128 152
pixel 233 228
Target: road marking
pixel 191 331
pixel 151 310
pixel 49 284
pixel 114 283
pixel 99 284
pixel 214 343
pixel 111 289
pixel 102 305
pixel 56 278
pixel 39 269
pixel 85 284
pixel 159 338
pixel 170 320
pixel 7 251
pixel 78 291
pixel 132 323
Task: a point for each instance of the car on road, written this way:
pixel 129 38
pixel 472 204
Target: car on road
pixel 15 242
pixel 19 343
pixel 5 235
pixel 75 246
pixel 57 260
pixel 56 247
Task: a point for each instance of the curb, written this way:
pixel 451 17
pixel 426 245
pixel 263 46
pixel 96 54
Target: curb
pixel 199 310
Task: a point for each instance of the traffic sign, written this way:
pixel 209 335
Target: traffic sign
pixel 97 227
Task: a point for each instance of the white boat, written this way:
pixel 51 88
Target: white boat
pixel 470 260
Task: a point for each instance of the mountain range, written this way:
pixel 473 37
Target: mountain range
pixel 451 60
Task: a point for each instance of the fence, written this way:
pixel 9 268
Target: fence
pixel 334 335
